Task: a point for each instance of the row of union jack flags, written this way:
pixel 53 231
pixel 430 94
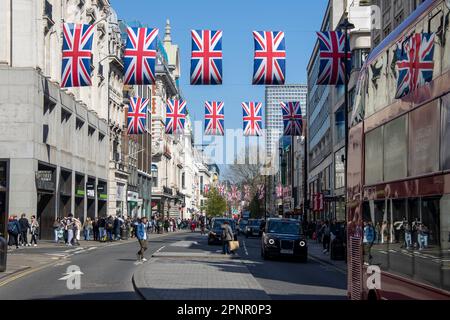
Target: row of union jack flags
pixel 214 117
pixel 141 50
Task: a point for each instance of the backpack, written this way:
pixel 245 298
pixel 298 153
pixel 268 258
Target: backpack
pixel 12 227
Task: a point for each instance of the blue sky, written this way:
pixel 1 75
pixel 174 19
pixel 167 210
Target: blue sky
pixel 299 19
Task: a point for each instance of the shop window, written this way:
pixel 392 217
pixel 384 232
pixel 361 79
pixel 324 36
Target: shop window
pixel 373 156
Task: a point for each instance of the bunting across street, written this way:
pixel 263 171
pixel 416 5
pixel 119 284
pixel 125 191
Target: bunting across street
pixel 270 58
pixel 332 58
pixel 137 116
pixel 261 191
pixel 252 118
pixel 175 116
pixel 292 118
pixel 140 56
pixel 214 118
pixel 76 55
pixel 206 57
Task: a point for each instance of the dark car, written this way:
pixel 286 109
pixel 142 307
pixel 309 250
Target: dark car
pixel 253 228
pixel 241 226
pixel 284 237
pixel 215 230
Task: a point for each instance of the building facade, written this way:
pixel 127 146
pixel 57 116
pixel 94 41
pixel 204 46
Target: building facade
pixel 55 142
pixel 326 113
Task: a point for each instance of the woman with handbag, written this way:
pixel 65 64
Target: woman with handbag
pixel 34 230
pixel 227 236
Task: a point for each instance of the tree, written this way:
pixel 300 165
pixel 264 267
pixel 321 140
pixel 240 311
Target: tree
pixel 215 205
pixel 255 208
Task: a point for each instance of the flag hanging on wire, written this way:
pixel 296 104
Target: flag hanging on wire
pixel 175 116
pixel 279 191
pixel 140 56
pixel 292 118
pixel 415 63
pixel 137 116
pixel 252 118
pixel 247 193
pixel 269 58
pixel 76 55
pixel 332 58
pixel 261 191
pixel 214 118
pixel 206 57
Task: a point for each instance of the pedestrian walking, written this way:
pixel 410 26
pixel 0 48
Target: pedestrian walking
pixel 34 230
pixel 95 230
pixel 110 228
pixel 24 227
pixel 56 229
pixel 141 235
pixel 13 231
pixel 77 231
pixel 87 229
pixel 227 236
pixel 326 237
pixel 70 226
pixel 101 229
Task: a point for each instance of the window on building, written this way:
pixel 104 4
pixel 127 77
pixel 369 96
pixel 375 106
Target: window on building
pixel 154 176
pixel 339 123
pixel 183 180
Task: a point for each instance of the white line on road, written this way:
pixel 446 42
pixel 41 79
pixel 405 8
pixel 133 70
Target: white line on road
pixel 245 247
pixel 157 251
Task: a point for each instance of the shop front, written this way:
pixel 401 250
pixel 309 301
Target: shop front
pixel 102 198
pixel 65 193
pixel 132 200
pixel 46 199
pixel 80 194
pixel 91 197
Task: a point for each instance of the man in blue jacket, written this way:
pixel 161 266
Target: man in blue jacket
pixel 141 235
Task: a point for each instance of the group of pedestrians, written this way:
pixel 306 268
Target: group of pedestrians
pixel 326 232
pixel 19 230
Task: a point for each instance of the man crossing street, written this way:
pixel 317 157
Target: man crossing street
pixel 141 235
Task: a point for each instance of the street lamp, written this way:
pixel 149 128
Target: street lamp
pixel 346 25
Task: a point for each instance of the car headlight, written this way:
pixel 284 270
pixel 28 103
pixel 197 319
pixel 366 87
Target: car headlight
pixel 302 243
pixel 248 229
pixel 271 241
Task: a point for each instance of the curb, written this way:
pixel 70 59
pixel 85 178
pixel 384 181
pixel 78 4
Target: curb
pixel 327 261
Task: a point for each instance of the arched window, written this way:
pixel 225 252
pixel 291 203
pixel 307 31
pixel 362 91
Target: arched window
pixel 154 175
pixel 183 180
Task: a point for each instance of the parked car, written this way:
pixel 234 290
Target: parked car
pixel 253 228
pixel 215 230
pixel 241 226
pixel 284 237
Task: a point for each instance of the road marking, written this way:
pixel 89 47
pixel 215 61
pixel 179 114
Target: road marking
pixel 245 247
pixel 184 244
pixel 157 251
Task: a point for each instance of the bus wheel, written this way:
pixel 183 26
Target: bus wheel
pixel 372 296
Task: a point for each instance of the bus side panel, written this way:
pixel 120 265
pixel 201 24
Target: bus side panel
pixel 354 219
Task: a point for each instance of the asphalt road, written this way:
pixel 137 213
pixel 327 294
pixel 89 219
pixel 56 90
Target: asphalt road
pixel 107 274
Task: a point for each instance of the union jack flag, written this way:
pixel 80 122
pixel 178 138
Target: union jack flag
pixel 137 115
pixel 206 189
pixel 221 188
pixel 261 191
pixel 292 118
pixel 175 116
pixel 206 57
pixel 247 192
pixel 252 112
pixel 140 56
pixel 214 118
pixel 279 191
pixel 234 192
pixel 76 55
pixel 270 58
pixel 415 63
pixel 332 59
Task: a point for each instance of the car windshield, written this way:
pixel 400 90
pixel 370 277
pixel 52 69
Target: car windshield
pixel 284 227
pixel 218 224
pixel 254 222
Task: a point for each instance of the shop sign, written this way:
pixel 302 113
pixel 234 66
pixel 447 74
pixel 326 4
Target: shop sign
pixel 45 180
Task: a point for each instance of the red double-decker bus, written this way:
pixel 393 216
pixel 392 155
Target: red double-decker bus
pixel 398 177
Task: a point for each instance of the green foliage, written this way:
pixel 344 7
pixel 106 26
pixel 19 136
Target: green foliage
pixel 215 205
pixel 255 208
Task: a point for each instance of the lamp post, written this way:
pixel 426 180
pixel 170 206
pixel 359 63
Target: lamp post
pixel 346 25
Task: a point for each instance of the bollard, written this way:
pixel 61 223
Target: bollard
pixel 3 254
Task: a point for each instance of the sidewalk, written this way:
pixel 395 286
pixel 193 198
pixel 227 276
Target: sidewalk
pixel 29 259
pixel 192 270
pixel 315 250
